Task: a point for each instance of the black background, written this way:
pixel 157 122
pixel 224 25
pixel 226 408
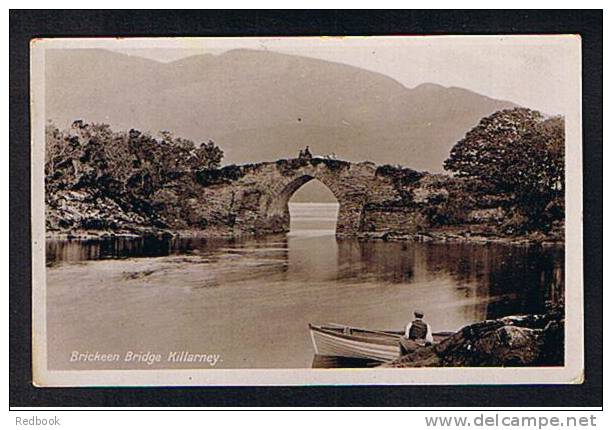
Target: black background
pixel 25 25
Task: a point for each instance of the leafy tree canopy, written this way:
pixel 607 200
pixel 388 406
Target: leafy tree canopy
pixel 121 163
pixel 518 151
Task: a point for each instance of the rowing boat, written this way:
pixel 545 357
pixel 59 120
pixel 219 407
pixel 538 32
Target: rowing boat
pixel 353 342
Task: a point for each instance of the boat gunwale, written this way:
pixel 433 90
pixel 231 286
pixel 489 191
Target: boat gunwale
pixel 379 338
pixel 337 330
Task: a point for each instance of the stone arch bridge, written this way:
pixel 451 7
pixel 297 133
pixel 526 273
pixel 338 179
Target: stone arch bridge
pixel 253 198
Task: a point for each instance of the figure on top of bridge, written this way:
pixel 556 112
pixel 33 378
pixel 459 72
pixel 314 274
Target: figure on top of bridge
pixel 305 154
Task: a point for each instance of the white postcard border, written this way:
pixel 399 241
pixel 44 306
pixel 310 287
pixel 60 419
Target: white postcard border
pixel 571 373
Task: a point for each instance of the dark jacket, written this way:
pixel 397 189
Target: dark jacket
pixel 418 330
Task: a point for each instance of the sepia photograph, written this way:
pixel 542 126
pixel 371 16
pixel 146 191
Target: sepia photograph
pixel 307 210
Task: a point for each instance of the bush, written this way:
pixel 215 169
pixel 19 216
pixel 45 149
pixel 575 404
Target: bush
pixel 227 174
pixel 449 212
pixel 334 165
pixel 287 167
pixel 515 224
pixel 401 176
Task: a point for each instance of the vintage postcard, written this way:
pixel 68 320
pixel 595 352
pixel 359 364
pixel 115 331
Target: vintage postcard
pixel 307 211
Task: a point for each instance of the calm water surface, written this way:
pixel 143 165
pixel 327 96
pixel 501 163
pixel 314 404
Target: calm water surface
pixel 250 301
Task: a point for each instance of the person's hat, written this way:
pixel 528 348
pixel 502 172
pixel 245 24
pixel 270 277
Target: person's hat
pixel 419 314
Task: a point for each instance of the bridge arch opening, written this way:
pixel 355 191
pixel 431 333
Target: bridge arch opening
pixel 313 209
pixel 305 205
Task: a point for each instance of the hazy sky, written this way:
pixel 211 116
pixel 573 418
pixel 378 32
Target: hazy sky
pixel 532 71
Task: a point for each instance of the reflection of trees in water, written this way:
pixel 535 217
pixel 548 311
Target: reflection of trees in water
pixel 503 279
pixel 525 278
pixel 147 246
pixel 515 279
pixel 112 247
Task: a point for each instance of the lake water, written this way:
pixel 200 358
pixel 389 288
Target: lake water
pixel 248 302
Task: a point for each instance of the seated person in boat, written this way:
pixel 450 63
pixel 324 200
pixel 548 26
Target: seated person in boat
pixel 418 333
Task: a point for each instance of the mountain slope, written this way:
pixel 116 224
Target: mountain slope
pixel 260 105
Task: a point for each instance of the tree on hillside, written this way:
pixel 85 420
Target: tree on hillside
pixel 208 156
pixel 521 154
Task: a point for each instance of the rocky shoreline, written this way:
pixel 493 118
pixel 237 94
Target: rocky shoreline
pixel 459 235
pixel 520 340
pixel 456 235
